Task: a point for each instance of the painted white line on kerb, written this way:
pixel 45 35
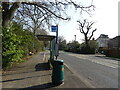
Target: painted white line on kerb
pixel 44 57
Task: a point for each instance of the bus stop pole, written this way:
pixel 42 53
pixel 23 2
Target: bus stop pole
pixel 56 43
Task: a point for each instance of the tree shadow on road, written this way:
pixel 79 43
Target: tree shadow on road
pixel 17 79
pixel 42 66
pixel 38 67
pixel 43 86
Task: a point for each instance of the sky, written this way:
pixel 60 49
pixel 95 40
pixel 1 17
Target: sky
pixel 105 17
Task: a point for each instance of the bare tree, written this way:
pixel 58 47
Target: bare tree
pixel 85 28
pixel 62 43
pixel 29 17
pixel 54 8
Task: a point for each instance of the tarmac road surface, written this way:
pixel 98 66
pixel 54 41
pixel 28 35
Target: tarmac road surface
pixel 96 71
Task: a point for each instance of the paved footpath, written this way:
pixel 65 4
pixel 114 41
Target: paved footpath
pixel 35 73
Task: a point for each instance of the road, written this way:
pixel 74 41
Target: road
pixel 95 71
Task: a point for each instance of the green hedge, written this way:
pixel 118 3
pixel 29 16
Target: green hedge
pixel 17 43
pixel 75 47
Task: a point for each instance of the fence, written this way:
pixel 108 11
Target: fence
pixel 113 53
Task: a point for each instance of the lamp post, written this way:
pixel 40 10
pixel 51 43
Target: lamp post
pixel 75 37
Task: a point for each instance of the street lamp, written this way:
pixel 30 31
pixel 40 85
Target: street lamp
pixel 75 37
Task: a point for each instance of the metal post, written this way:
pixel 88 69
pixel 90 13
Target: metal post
pixel 50 51
pixel 56 43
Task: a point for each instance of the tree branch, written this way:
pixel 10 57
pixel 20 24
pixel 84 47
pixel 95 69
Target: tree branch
pixel 45 8
pixel 12 10
pixel 81 26
pixel 89 27
pixel 92 34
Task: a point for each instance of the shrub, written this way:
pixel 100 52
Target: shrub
pixel 90 49
pixel 16 44
pixel 73 47
pixel 11 51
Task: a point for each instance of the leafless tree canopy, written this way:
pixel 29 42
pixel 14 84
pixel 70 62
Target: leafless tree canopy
pixel 85 28
pixel 46 9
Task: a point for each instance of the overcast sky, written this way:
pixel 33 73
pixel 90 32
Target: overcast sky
pixel 105 16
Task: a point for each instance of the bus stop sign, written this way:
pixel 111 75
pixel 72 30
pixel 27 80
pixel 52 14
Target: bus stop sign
pixel 54 28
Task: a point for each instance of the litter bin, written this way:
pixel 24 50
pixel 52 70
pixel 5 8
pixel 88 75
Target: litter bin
pixel 58 72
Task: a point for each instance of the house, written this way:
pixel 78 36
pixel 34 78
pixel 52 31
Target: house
pixel 114 47
pixel 102 41
pixel 114 43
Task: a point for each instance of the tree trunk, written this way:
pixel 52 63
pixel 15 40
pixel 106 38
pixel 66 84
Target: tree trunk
pixel 5 21
pixel 8 12
pixel 86 40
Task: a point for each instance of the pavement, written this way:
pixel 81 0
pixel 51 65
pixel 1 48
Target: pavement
pixel 35 73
